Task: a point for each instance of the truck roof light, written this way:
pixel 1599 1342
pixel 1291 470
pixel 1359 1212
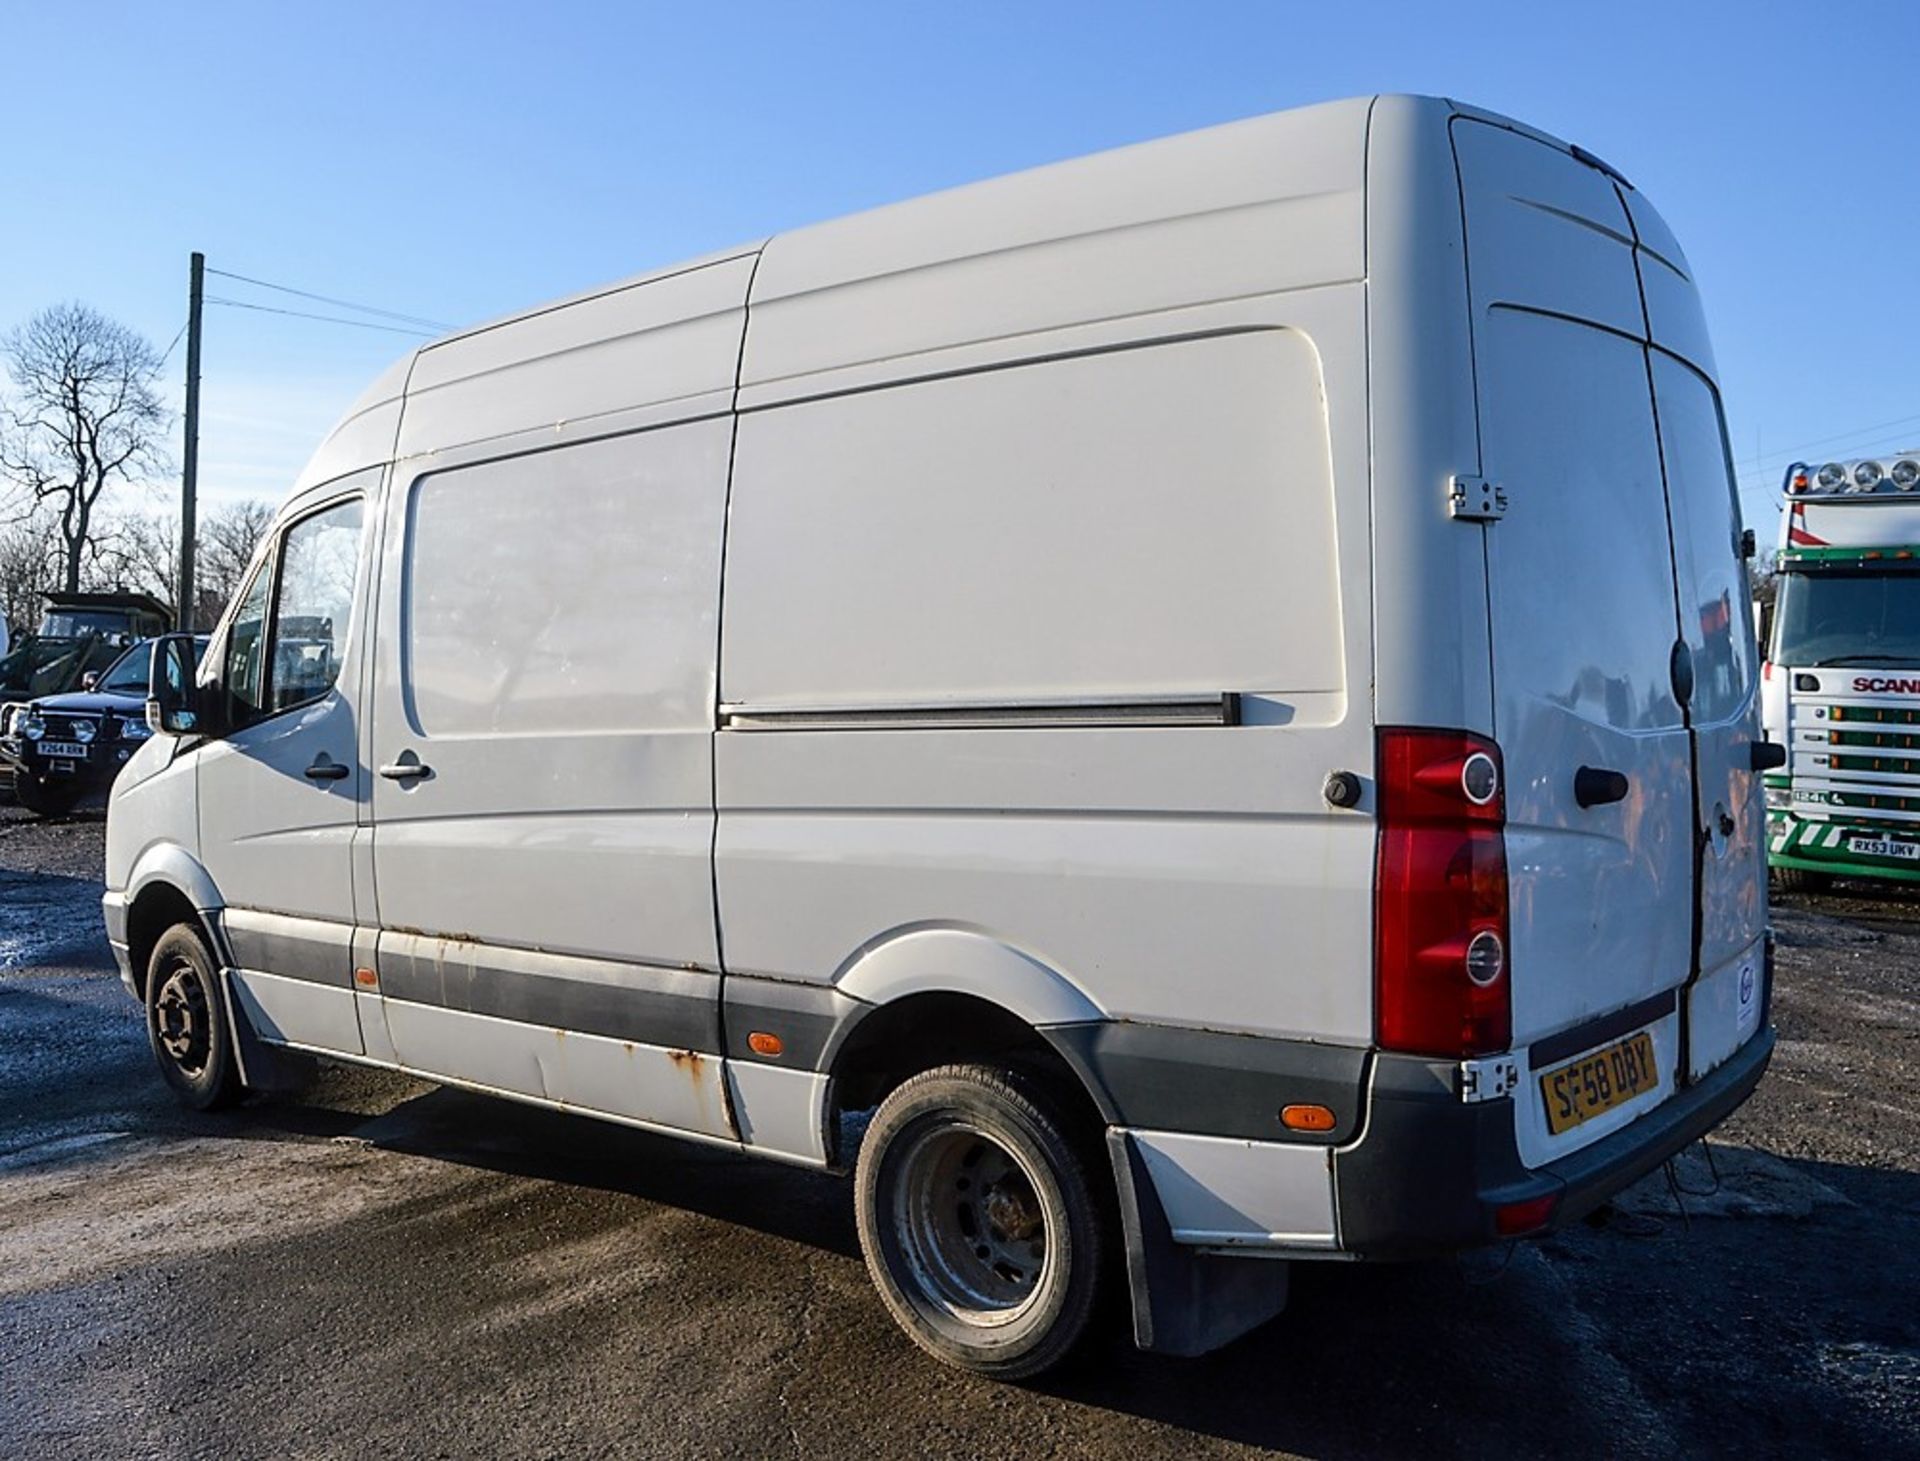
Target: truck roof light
pixel 1833 475
pixel 1867 475
pixel 1905 474
pixel 1797 482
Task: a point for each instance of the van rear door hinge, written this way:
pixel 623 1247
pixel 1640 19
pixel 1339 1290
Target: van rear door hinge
pixel 1475 499
pixel 1489 1079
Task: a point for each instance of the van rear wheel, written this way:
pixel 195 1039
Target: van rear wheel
pixel 978 1220
pixel 187 1021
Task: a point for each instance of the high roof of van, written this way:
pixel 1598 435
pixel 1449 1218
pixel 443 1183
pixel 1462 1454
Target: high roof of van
pixel 899 279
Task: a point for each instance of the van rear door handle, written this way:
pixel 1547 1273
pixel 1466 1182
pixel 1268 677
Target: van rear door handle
pixel 405 770
pixel 1595 786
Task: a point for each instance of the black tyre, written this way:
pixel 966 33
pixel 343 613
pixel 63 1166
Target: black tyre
pixel 187 1021
pixel 978 1220
pixel 45 797
pixel 1802 880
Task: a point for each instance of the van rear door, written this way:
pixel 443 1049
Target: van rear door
pixel 1585 626
pixel 1723 1005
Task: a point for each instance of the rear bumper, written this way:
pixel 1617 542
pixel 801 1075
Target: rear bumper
pixel 1430 1173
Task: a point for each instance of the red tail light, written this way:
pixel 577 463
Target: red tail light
pixel 1441 977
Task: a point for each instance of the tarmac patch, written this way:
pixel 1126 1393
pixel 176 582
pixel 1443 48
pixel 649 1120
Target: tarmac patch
pixel 1736 1182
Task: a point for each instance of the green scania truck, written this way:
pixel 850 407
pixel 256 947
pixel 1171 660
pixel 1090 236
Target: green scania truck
pixel 1840 689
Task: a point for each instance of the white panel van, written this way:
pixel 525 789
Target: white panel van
pixel 1147 708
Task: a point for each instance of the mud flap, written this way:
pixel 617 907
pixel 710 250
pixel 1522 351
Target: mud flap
pixel 1185 1302
pixel 265 1069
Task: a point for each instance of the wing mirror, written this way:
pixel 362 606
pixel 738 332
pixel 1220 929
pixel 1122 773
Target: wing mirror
pixel 172 698
pixel 89 679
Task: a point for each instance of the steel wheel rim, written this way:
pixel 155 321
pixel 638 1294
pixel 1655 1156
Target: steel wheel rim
pixel 970 1225
pixel 182 1020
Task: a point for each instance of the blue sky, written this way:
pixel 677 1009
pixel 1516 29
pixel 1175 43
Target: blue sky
pixel 461 161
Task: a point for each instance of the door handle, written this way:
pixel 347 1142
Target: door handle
pixel 1595 786
pixel 405 770
pixel 325 770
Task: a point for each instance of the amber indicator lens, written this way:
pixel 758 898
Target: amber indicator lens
pixel 1307 1118
pixel 762 1043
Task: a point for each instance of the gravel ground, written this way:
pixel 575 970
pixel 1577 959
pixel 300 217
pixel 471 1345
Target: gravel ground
pixel 385 1267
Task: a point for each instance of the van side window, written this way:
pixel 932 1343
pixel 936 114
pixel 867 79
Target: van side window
pixel 246 677
pixel 570 591
pixel 318 561
pixel 1156 520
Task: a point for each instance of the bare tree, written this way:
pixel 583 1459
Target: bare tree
pixel 228 538
pixel 137 550
pixel 134 550
pixel 84 411
pixel 29 566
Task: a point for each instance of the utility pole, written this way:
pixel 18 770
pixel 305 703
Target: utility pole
pixel 190 458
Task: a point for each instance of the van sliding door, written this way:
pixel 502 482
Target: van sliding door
pixel 542 807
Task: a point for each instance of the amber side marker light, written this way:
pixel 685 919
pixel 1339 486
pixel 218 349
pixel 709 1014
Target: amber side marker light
pixel 1307 1118
pixel 366 978
pixel 761 1043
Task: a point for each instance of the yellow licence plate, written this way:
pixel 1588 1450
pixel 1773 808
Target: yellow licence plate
pixel 1599 1081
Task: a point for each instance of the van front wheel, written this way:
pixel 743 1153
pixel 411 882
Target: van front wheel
pixel 187 1022
pixel 978 1221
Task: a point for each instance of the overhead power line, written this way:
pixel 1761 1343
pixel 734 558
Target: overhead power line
pixel 1787 454
pixel 167 354
pixel 1772 476
pixel 367 309
pixel 301 314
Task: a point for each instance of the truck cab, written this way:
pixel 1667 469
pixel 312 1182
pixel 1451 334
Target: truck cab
pixel 1842 679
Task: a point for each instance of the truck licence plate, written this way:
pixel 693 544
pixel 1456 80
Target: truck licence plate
pixel 67 750
pixel 1884 847
pixel 1598 1081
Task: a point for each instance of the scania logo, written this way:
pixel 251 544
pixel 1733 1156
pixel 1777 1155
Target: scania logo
pixel 1885 685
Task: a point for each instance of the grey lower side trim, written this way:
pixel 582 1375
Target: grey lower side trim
pixel 1222 709
pixel 804 1016
pixel 313 949
pixel 1206 1083
pixel 1185 1302
pixel 678 1009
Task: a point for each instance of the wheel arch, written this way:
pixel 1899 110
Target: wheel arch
pixel 941 995
pixel 168 886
